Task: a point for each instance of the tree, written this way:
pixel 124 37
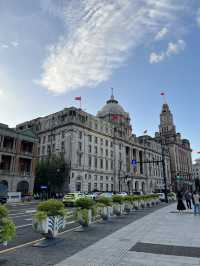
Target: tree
pixel 53 173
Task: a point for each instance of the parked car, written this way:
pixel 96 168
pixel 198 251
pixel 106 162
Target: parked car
pixel 123 194
pixel 70 198
pixel 137 193
pixel 105 194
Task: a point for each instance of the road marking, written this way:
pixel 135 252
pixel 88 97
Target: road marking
pixel 30 211
pixel 35 241
pixel 29 219
pixel 21 215
pixel 23 225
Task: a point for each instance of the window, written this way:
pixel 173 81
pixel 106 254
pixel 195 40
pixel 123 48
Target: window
pixel 101 141
pixel 111 144
pixel 95 162
pixel 107 178
pixel 120 146
pixel 79 159
pixel 96 140
pixel 106 164
pixel 107 187
pixel 85 176
pixel 43 150
pixel 89 187
pixel 101 163
pixel 112 187
pixel 111 164
pixel 89 148
pixel 80 146
pixel 101 178
pixel 48 149
pixel 44 139
pixel 72 175
pixel 49 138
pixel 89 161
pixel 106 152
pixel 95 150
pixel 80 134
pixel 106 142
pixel 95 185
pixel 39 139
pixel 120 156
pixel 38 150
pixel 54 137
pixel 96 126
pixel 89 138
pixel 101 187
pixel 62 146
pixel 101 151
pixel 111 154
pixel 53 148
pixel 63 134
pixel 95 177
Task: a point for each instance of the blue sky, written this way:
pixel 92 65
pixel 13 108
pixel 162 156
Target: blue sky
pixel 52 51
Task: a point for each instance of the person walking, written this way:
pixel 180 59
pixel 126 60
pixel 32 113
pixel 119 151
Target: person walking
pixel 196 203
pixel 180 204
pixel 188 198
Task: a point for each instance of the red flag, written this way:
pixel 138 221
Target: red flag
pixel 77 98
pixel 162 93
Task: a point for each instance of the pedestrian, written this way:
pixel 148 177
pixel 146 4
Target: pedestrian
pixel 180 204
pixel 188 198
pixel 196 202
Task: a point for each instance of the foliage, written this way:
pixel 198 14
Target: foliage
pixel 7 227
pixel 117 199
pixel 128 198
pixel 105 200
pixel 40 216
pixel 85 203
pixel 3 212
pixel 52 172
pixel 51 207
pixel 82 216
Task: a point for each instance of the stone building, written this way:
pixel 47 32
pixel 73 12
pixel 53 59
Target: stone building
pixel 100 149
pixel 196 173
pixel 179 149
pixel 18 152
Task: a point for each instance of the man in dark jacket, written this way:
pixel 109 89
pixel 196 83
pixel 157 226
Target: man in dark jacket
pixel 188 198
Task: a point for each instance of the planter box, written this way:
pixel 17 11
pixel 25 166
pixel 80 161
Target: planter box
pixel 89 216
pixel 118 209
pixel 105 212
pixel 50 226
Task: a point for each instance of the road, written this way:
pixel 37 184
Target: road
pixel 21 214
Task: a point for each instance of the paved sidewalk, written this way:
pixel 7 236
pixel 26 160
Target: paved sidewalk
pixel 157 239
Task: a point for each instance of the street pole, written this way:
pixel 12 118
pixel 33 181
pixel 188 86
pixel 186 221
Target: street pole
pixel 164 173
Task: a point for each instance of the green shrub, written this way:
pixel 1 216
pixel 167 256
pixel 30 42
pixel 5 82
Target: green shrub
pixel 7 227
pixel 51 207
pixel 128 198
pixel 82 216
pixel 105 200
pixel 85 203
pixel 117 199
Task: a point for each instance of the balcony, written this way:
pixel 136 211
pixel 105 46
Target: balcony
pixel 24 173
pixel 7 149
pixel 5 172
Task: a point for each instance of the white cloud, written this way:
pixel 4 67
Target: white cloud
pixel 14 43
pixel 198 17
pixel 175 48
pixel 1 92
pixel 161 34
pixel 156 58
pixel 99 36
pixel 4 46
pixel 172 49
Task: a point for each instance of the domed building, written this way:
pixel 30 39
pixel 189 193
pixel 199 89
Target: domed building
pixel 114 113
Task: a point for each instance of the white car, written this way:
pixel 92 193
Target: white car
pixel 123 194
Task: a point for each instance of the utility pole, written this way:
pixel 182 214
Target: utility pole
pixel 164 172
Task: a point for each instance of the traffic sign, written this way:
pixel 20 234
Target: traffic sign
pixel 134 163
pixel 43 187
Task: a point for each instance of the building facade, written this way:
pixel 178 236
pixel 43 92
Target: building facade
pixel 18 152
pixel 179 149
pixel 101 149
pixel 196 173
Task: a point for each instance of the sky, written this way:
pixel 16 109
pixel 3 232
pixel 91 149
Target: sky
pixel 52 51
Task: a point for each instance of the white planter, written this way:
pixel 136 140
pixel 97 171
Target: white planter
pixel 51 225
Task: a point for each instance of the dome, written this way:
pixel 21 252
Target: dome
pixel 112 107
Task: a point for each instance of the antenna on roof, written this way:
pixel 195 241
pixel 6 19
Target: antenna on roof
pixel 112 96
